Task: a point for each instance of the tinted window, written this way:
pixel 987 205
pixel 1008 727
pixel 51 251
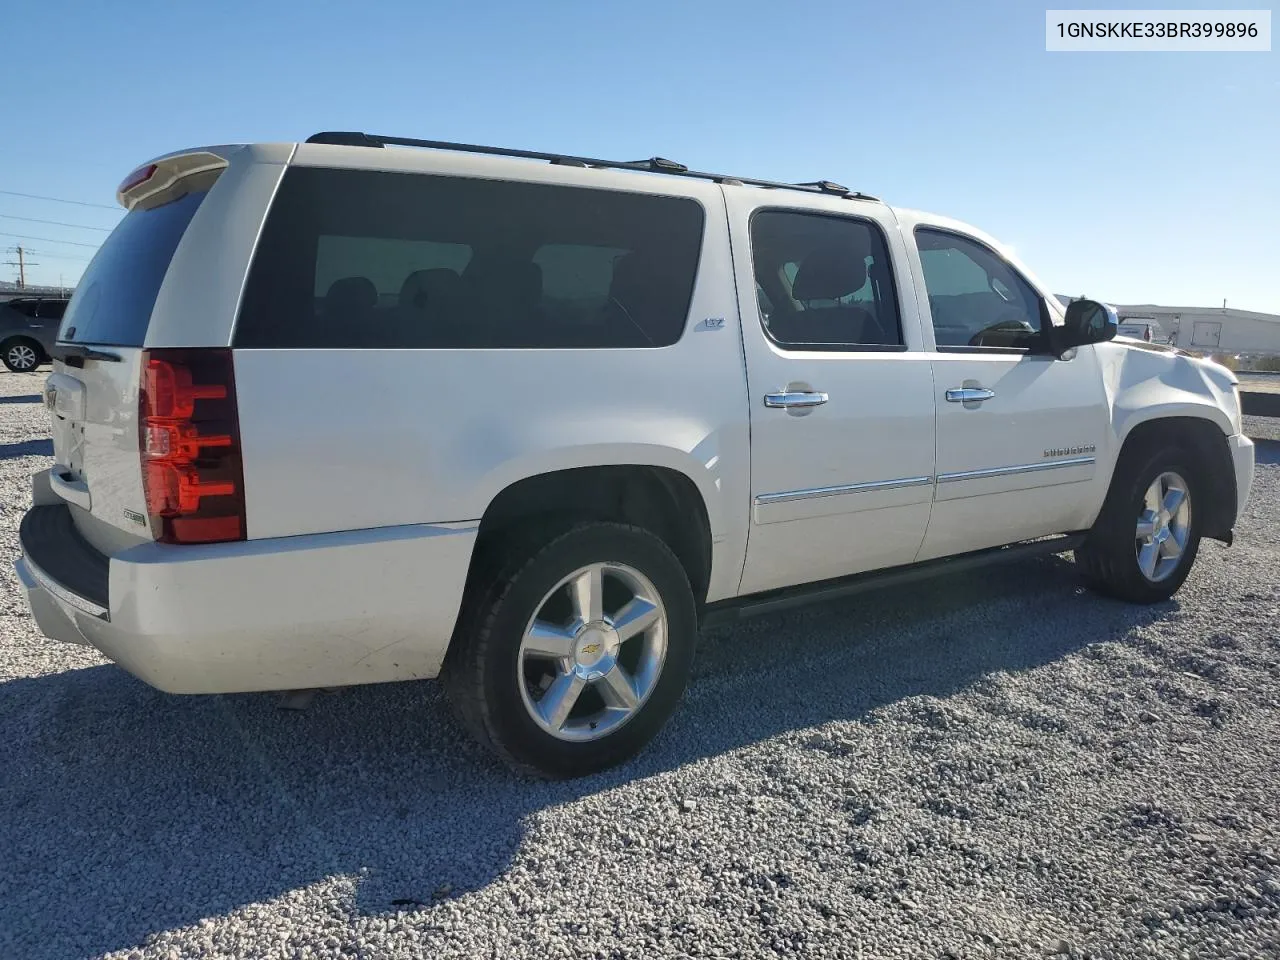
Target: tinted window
pixel 976 298
pixel 26 307
pixel 385 262
pixel 353 258
pixel 114 299
pixel 824 282
pixel 52 309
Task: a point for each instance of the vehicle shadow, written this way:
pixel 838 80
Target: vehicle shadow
pixel 125 811
pixel 1266 451
pixel 26 448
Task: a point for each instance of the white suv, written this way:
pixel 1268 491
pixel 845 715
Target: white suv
pixel 340 412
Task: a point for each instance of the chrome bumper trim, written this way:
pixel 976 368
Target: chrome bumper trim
pixel 62 593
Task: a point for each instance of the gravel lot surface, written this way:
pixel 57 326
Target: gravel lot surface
pixel 995 765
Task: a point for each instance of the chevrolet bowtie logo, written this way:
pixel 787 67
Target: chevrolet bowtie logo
pixel 591 649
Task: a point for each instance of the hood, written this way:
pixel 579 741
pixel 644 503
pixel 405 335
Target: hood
pixel 1146 345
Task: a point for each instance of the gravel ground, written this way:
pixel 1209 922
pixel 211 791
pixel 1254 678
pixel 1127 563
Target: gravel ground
pixel 999 765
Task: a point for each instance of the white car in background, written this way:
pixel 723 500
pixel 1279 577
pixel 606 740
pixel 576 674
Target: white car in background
pixel 1146 330
pixel 337 412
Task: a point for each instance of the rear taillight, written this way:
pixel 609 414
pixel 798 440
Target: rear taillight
pixel 189 439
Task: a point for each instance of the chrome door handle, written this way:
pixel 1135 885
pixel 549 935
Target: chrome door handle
pixel 969 394
pixel 793 400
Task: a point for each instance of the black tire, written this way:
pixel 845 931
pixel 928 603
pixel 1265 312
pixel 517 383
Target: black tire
pixel 483 674
pixel 21 347
pixel 1108 560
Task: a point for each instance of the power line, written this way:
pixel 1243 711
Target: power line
pixel 78 203
pixel 74 243
pixel 60 256
pixel 55 223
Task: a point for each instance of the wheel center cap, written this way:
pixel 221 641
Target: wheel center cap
pixel 595 650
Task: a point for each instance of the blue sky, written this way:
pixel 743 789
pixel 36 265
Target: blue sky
pixel 1127 177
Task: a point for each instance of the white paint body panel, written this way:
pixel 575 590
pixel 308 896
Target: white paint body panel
pixel 312 611
pixel 875 428
pixel 429 436
pixel 94 425
pixel 367 472
pixel 1039 403
pixel 200 296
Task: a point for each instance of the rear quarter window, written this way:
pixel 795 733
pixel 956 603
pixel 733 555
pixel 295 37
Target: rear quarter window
pixel 52 309
pixel 114 299
pixel 364 259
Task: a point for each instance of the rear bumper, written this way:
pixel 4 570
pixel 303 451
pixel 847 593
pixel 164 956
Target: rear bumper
pixel 321 610
pixel 1242 457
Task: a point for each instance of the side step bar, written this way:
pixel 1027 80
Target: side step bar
pixel 726 611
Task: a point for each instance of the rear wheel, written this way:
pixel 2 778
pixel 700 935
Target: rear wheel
pixel 1147 536
pixel 21 355
pixel 573 653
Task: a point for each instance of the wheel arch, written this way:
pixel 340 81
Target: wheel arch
pixel 661 499
pixel 1204 435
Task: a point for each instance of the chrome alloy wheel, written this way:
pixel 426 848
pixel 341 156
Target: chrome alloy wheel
pixel 21 357
pixel 593 651
pixel 1163 527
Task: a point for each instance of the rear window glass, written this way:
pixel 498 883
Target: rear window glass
pixel 363 259
pixel 114 299
pixel 52 309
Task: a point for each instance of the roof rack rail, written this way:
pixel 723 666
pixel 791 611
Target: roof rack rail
pixel 652 165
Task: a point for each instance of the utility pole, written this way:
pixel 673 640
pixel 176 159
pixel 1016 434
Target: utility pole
pixel 21 263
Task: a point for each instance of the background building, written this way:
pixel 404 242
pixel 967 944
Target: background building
pixel 1209 329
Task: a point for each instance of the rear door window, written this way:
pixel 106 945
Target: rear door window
pixel 28 308
pixel 824 282
pixel 114 299
pixel 365 259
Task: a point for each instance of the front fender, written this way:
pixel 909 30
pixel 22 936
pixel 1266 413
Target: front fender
pixel 1186 401
pixel 1144 385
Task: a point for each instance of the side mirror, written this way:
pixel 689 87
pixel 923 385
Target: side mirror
pixel 1087 322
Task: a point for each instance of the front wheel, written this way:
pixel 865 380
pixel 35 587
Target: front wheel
pixel 21 355
pixel 1147 535
pixel 573 652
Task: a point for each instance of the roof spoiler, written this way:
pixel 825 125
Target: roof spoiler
pixel 168 178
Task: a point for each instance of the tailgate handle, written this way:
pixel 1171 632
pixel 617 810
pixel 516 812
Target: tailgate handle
pixel 72 491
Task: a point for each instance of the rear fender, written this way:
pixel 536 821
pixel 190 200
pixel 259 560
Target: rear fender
pixel 703 463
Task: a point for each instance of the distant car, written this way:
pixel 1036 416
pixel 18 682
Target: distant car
pixel 28 329
pixel 1147 330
